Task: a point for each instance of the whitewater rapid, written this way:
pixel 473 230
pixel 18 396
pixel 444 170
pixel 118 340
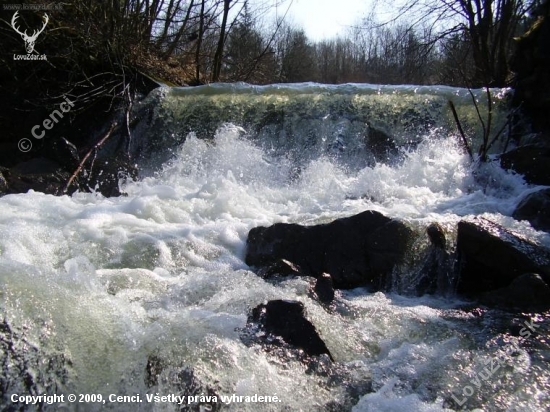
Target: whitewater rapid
pixel 94 287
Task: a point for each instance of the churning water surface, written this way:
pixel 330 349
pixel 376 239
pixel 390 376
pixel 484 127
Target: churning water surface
pixel 93 288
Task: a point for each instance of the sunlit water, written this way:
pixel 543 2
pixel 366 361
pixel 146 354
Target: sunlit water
pixel 93 287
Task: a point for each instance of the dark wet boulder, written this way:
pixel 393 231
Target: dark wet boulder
pixel 535 208
pixel 526 292
pixel 353 379
pixel 436 234
pixel 531 161
pixel 287 319
pixel 360 250
pixel 44 175
pixel 324 289
pixel 491 257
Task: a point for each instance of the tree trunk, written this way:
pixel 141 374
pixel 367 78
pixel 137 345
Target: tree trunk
pixel 199 43
pixel 174 43
pixel 221 42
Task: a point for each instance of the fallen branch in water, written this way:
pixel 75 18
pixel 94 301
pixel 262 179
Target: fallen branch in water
pixel 85 158
pixel 461 131
pixel 487 143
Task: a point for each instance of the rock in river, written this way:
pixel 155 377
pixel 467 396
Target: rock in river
pixel 491 257
pixel 324 288
pixel 361 250
pixel 286 318
pixel 526 292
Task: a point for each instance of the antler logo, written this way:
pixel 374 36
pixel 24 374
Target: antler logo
pixel 29 40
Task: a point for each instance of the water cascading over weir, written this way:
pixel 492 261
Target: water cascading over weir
pixel 358 124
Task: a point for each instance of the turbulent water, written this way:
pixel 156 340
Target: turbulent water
pixel 98 291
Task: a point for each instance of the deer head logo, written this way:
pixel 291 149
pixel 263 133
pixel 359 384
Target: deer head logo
pixel 29 40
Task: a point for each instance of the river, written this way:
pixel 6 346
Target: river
pixel 95 290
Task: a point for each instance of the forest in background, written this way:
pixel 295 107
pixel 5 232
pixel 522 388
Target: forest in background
pixel 454 42
pixel 102 53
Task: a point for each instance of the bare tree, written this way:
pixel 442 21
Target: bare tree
pixel 488 26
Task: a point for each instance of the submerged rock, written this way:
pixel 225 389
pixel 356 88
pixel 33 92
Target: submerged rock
pixel 381 144
pixel 491 257
pixel 360 250
pixel 526 292
pixel 535 208
pixel 153 369
pixel 281 267
pixel 287 319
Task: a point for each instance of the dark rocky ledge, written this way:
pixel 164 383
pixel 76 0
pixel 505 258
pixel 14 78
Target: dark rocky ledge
pixel 495 265
pixel 366 249
pixel 491 257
